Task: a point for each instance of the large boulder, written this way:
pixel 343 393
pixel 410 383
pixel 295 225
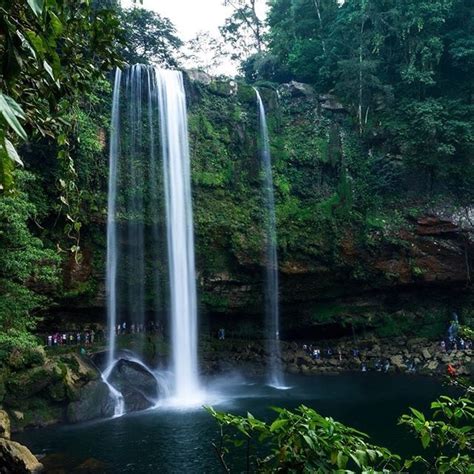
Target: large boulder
pixel 93 401
pixel 299 89
pixel 4 425
pixel 137 385
pixel 17 459
pixel 201 77
pixel 330 102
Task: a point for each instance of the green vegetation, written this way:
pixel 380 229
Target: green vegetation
pixel 148 38
pixel 27 268
pixel 305 441
pixel 402 68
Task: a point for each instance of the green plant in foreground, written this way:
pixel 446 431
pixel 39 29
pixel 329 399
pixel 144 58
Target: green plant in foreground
pixel 300 441
pixel 450 433
pixel 304 441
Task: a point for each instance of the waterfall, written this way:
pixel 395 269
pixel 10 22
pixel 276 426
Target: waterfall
pixel 111 270
pixel 179 216
pixel 145 99
pixel 112 257
pixel 135 153
pixel 272 313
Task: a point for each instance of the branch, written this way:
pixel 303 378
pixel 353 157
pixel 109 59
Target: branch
pixel 220 456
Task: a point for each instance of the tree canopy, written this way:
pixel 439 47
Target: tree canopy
pixel 402 68
pixel 149 38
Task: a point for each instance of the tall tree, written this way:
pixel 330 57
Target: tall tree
pixel 149 38
pixel 243 29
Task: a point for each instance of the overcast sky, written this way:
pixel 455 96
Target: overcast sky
pixel 193 16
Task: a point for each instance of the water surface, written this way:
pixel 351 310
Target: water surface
pixel 169 440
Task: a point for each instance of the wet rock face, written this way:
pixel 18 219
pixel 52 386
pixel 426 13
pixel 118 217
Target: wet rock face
pixel 316 261
pixel 93 401
pixel 138 386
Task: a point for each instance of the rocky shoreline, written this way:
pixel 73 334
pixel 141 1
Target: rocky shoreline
pixel 14 457
pixel 69 389
pixel 415 355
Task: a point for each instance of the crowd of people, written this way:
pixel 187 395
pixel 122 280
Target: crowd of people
pixel 91 336
pixel 453 341
pixel 151 327
pixel 73 338
pixel 458 344
pixel 379 365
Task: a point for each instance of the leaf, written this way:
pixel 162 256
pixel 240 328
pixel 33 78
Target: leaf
pixel 27 44
pixel 425 439
pixel 11 111
pixel 309 441
pixel 342 460
pixel 56 23
pixel 12 153
pixel 48 69
pixel 6 169
pixel 277 424
pixel 36 42
pixel 418 414
pixel 36 6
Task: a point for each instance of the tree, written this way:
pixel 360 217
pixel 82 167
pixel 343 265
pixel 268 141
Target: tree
pixel 52 56
pixel 206 52
pixel 243 29
pixel 149 38
pixel 361 28
pixel 301 36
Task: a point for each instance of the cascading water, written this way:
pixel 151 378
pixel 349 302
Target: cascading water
pixel 155 98
pixel 179 214
pixel 272 313
pixel 111 270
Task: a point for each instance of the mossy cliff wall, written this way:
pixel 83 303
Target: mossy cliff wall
pixel 346 243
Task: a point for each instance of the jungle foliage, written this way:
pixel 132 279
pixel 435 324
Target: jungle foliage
pixel 305 441
pixel 52 55
pixel 403 69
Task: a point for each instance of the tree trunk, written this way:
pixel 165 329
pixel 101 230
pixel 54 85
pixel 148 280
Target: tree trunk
pixel 318 11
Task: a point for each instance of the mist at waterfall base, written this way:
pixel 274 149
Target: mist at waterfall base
pixel 272 311
pixel 149 198
pixel 171 441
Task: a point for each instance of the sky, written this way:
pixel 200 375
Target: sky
pixel 193 16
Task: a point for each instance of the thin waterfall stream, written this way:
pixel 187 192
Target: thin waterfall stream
pixel 272 310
